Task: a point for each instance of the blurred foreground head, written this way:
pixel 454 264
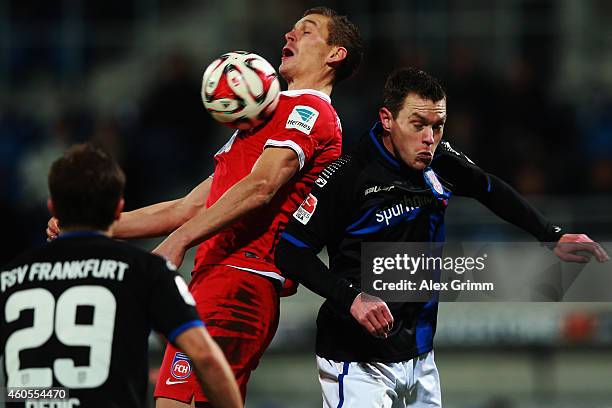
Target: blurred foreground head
pixel 86 188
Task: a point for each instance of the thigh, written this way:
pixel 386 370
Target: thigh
pixel 350 384
pixel 240 311
pixel 425 391
pixel 176 380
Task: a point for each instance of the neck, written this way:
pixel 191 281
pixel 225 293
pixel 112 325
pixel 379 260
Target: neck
pixel 323 85
pixel 386 139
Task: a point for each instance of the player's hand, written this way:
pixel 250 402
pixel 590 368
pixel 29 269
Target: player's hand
pixel 171 250
pixel 373 314
pixel 53 229
pixel 579 248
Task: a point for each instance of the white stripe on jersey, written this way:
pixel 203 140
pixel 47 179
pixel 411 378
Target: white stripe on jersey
pixel 290 144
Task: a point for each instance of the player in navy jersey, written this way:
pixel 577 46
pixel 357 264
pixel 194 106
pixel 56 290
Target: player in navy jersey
pixel 236 216
pixel 370 353
pixel 77 313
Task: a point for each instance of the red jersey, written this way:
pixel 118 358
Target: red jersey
pixel 303 121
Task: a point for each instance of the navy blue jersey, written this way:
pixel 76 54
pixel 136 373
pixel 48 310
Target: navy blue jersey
pixel 77 313
pixel 369 196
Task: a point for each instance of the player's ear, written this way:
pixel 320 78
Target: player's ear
pixel 119 208
pixel 51 207
pixel 337 55
pixel 386 117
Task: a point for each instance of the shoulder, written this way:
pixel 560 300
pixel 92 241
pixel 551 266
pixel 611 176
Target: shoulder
pixel 313 102
pixel 447 151
pixel 339 174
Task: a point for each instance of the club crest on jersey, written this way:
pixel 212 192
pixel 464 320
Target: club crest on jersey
pixel 181 366
pixel 302 118
pixel 433 181
pixel 306 209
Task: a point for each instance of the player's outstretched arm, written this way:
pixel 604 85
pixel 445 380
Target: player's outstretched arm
pixel 153 220
pixel 272 170
pixel 470 180
pixel 162 218
pixel 211 367
pixel 509 205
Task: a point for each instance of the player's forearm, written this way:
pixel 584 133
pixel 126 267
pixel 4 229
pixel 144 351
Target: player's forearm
pixel 151 221
pixel 271 171
pixel 162 218
pixel 243 198
pixel 303 266
pixel 217 379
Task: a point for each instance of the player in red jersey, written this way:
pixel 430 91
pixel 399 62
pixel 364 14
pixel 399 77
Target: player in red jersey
pixel 238 214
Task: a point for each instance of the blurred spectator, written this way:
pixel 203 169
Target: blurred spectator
pixel 107 134
pixel 36 162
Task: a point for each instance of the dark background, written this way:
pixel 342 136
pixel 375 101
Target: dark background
pixel 530 100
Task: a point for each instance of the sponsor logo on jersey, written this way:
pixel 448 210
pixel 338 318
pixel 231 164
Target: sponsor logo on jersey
pixel 181 366
pixel 403 209
pixel 306 209
pixel 302 118
pixel 320 182
pixel 170 382
pixel 376 189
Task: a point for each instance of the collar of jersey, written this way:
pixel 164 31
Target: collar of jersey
pixel 386 156
pixel 81 233
pixel 298 92
pixel 384 153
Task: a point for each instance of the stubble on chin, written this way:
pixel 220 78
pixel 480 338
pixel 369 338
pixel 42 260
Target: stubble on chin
pixel 421 163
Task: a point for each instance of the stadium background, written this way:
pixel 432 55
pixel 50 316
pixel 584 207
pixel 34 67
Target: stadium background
pixel 530 99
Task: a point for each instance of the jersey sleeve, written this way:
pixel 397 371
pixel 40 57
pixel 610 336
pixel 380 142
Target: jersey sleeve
pixel 172 307
pixel 467 179
pixel 304 125
pixel 319 220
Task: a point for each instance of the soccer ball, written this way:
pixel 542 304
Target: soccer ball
pixel 240 89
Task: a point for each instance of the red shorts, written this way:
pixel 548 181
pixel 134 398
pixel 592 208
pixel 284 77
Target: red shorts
pixel 240 310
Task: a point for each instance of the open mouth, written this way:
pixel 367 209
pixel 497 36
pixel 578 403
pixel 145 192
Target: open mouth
pixel 286 53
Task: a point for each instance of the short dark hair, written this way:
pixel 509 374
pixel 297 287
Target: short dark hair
pixel 344 34
pixel 85 185
pixel 404 81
